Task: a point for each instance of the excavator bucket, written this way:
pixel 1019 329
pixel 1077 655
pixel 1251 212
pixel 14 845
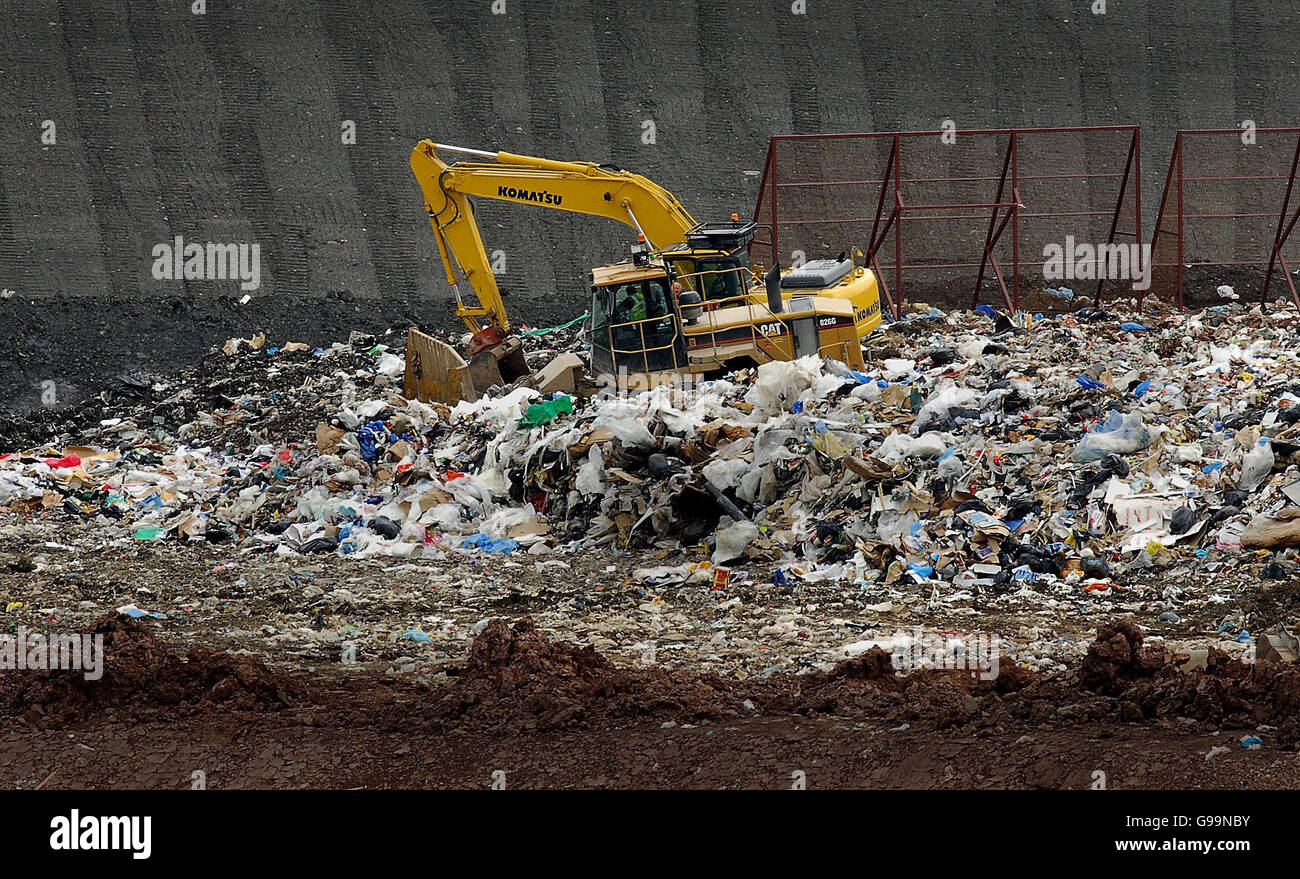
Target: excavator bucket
pixel 436 373
pixel 499 364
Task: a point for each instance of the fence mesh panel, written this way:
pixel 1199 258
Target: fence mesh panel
pixel 925 208
pixel 1222 201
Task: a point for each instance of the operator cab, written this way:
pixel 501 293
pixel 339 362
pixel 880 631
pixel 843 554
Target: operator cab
pixel 714 261
pixel 635 324
pixel 638 306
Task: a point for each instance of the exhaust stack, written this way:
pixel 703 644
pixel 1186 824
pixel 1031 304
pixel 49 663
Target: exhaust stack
pixel 773 281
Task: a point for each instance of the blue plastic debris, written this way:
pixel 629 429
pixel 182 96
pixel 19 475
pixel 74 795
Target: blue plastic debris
pixel 500 545
pixel 369 438
pixel 416 635
pixel 135 613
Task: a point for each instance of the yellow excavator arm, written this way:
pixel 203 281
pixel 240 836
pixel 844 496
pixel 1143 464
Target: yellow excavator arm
pixel 580 187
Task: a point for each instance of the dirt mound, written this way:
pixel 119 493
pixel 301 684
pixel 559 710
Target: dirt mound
pixel 140 673
pixel 1227 693
pixel 1116 658
pixel 521 678
pixel 874 665
pixel 1142 682
pixel 869 684
pixel 1122 678
pixel 517 677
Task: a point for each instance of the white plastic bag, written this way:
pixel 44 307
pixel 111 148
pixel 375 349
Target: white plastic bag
pixel 1119 435
pixel 731 540
pixel 591 474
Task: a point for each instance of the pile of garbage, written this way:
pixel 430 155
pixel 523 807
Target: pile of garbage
pixel 980 451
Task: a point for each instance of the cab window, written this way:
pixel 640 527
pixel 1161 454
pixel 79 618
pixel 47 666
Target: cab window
pixel 656 300
pixel 601 309
pixel 629 303
pixel 684 270
pixel 721 278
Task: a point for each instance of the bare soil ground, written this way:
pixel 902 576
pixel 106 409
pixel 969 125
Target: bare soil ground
pixel 531 712
pixel 272 752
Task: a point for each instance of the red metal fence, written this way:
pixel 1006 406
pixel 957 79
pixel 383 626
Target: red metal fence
pixel 1227 213
pixel 952 213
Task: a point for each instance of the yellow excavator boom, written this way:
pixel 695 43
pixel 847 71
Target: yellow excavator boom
pixel 579 187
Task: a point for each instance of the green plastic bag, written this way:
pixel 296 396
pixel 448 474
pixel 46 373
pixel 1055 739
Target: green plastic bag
pixel 545 413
